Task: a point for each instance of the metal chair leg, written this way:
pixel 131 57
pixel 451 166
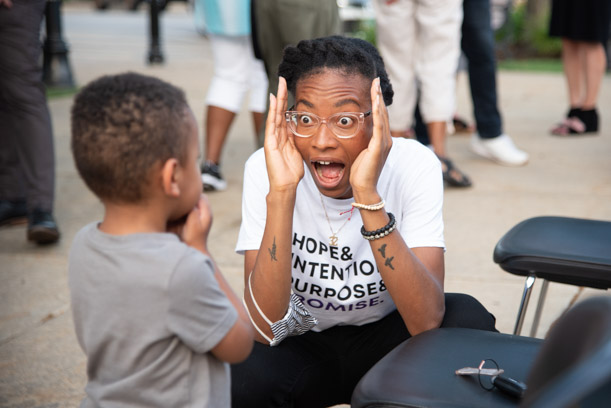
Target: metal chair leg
pixel 528 285
pixel 542 294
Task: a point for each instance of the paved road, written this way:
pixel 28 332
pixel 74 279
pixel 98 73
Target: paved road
pixel 41 364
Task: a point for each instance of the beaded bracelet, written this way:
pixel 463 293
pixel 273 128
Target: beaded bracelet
pixel 369 207
pixel 380 232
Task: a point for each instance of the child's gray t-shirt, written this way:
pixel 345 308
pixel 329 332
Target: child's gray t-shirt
pixel 147 311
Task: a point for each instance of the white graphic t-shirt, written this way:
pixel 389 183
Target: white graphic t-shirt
pixel 341 285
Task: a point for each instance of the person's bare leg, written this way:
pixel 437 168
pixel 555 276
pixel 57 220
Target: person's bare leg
pixel 437 135
pixel 595 64
pixel 452 175
pixel 218 122
pixel 573 71
pixel 257 120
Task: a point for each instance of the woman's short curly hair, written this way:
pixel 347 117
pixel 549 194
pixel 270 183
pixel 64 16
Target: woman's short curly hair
pixel 123 125
pixel 349 55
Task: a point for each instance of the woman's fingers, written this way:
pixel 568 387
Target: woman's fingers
pixel 270 123
pixel 275 128
pixel 379 145
pixel 378 117
pixel 281 108
pixel 282 95
pixel 383 112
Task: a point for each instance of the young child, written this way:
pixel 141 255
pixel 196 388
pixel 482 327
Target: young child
pixel 158 322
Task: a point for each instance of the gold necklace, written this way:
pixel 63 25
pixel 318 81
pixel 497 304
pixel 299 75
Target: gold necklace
pixel 333 237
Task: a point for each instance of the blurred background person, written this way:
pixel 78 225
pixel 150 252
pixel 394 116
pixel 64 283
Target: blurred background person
pixel 278 23
pixel 236 73
pixel 27 158
pixel 477 44
pixel 584 29
pixel 420 43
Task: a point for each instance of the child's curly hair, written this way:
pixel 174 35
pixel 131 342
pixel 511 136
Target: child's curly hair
pixel 349 55
pixel 122 125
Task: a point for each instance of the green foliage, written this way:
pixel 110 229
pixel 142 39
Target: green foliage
pixel 527 36
pixel 543 44
pixel 533 65
pixel 365 30
pixel 53 93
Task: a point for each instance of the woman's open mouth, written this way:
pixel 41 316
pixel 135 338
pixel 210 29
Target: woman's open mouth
pixel 328 173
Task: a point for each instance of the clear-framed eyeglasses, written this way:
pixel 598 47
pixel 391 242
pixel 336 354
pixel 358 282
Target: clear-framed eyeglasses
pixel 343 124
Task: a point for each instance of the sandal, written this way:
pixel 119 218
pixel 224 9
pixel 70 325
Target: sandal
pixel 461 125
pixel 577 122
pixel 569 126
pixel 452 176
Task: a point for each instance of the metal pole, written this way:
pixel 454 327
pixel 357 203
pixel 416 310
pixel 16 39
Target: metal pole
pixel 56 71
pixel 528 285
pixel 155 55
pixel 540 302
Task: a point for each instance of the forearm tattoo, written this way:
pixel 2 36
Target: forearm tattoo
pixel 388 261
pixel 272 251
pixel 382 250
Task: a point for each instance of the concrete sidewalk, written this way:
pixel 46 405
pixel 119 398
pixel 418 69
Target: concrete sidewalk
pixel 41 364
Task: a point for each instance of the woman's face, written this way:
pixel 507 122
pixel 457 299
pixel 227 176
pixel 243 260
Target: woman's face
pixel 328 157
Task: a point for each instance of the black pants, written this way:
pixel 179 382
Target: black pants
pixel 27 160
pixel 321 369
pixel 477 44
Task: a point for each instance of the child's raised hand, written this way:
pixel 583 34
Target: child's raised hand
pixel 197 226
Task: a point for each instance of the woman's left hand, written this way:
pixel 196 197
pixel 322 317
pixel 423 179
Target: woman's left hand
pixel 367 167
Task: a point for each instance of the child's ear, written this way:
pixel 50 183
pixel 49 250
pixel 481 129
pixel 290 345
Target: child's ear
pixel 169 177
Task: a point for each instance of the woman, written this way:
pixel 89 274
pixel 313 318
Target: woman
pixel 344 260
pixel 584 29
pixel 420 42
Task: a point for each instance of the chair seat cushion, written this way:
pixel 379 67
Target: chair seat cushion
pixel 420 372
pixel 559 249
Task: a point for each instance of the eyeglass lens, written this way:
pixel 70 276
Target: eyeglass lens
pixel 306 124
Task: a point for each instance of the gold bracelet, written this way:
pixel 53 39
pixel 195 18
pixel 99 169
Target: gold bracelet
pixel 372 207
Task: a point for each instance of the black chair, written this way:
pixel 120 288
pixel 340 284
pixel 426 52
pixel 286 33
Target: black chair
pixel 572 365
pixel 573 251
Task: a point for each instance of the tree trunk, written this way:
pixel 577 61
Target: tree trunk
pixel 537 8
pixel 536 17
pixel 536 14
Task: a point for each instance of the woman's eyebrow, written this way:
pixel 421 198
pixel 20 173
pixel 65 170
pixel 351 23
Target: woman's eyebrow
pixel 338 104
pixel 347 101
pixel 306 103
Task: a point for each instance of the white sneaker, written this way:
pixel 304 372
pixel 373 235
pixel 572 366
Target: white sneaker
pixel 499 149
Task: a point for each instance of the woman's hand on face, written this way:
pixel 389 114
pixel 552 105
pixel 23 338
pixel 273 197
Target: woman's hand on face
pixel 366 169
pixel 284 162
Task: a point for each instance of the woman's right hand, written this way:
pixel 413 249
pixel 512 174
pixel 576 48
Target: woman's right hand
pixel 283 160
